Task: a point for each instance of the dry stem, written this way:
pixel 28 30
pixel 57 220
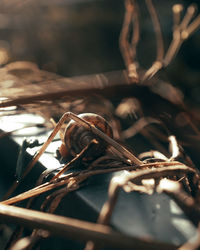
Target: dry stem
pixel 128 50
pixel 74 229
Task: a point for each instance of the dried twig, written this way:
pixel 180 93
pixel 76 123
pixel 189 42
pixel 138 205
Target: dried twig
pixel 157 65
pixel 128 50
pixel 137 126
pixel 185 201
pixel 120 181
pixel 105 84
pixel 181 31
pixel 75 229
pixel 59 183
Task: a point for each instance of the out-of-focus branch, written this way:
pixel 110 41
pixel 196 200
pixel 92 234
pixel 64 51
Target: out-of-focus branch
pixel 193 244
pixel 74 229
pixel 177 9
pixel 134 176
pixel 128 49
pixel 181 31
pixel 157 65
pixel 185 202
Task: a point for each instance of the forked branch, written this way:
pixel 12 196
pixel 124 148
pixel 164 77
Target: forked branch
pixel 181 31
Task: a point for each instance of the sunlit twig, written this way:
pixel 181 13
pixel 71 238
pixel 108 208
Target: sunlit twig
pixel 181 32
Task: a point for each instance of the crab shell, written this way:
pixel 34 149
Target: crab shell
pixel 77 137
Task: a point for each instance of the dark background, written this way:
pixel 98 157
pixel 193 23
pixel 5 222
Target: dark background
pixel 81 37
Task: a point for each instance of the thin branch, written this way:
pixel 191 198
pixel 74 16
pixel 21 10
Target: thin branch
pixel 188 16
pixel 185 201
pixel 158 64
pixel 136 30
pixel 122 182
pixel 138 126
pixel 75 229
pixel 191 28
pixel 128 50
pixel 135 176
pixel 104 84
pixel 177 9
pixel 181 32
pixel 60 182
